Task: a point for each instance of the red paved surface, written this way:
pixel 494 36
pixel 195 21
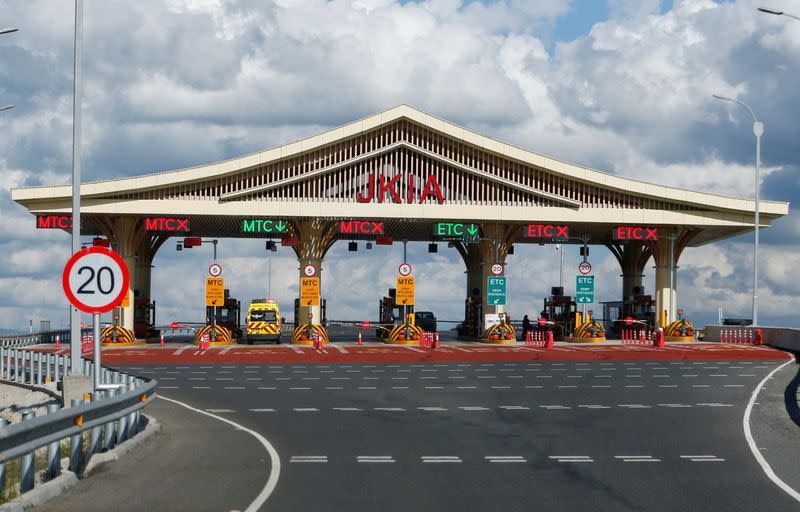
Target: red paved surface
pixel 187 354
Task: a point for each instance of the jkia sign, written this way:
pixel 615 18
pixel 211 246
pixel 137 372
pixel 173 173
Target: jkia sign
pixel 634 233
pixel 381 188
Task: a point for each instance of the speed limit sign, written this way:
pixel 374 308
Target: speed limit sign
pixel 95 280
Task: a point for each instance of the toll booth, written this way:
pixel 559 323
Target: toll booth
pixel 390 313
pixel 640 307
pixel 472 327
pixel 227 315
pixel 560 309
pixel 323 311
pixel 144 318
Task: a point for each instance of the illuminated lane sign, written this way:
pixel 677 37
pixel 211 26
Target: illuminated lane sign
pixel 358 227
pixel 467 233
pixel 166 224
pixel 549 231
pixel 264 226
pixel 634 233
pixel 54 222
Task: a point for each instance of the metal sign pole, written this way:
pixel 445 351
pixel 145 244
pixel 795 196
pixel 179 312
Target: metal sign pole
pixel 405 254
pixel 97 362
pixel 76 368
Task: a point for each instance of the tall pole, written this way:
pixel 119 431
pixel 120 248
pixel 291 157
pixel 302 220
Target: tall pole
pixel 758 130
pixel 405 255
pixel 269 282
pixel 561 266
pixel 671 277
pixel 76 368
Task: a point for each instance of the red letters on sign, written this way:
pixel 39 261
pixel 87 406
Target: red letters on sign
pixel 634 233
pixel 359 227
pixel 383 188
pixel 54 222
pixel 547 231
pixel 166 224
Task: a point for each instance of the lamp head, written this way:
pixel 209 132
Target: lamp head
pixel 770 11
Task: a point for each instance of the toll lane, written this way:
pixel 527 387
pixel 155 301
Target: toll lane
pixel 398 436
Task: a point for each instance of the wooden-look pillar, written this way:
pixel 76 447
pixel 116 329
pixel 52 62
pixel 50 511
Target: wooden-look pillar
pixel 666 296
pixel 316 237
pixel 632 257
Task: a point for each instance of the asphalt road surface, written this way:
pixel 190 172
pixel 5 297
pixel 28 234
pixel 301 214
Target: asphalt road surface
pixel 544 435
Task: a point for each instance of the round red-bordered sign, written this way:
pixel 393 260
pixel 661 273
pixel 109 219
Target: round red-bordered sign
pixel 629 320
pixel 585 268
pixel 95 280
pixel 404 269
pixel 542 321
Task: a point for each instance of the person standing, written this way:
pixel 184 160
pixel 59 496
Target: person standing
pixel 526 326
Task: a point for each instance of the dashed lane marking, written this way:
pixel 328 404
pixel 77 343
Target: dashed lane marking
pixel 305 409
pixel 636 458
pixel 347 409
pixel 674 405
pixel 715 404
pixel 389 409
pixel 219 411
pixel 595 406
pixel 635 406
pixel 306 459
pixel 571 458
pixel 440 459
pixel 703 458
pixel 432 408
pixel 473 408
pixel 515 407
pixel 505 459
pixel 375 459
pixel 554 407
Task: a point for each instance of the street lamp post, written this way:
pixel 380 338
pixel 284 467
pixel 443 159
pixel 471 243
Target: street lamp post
pixel 777 13
pixel 8 30
pixel 758 130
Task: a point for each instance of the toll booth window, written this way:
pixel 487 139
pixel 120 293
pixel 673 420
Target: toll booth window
pixel 140 315
pixel 263 316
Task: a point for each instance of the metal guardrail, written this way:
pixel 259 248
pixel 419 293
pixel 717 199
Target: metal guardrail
pixel 26 340
pixel 112 416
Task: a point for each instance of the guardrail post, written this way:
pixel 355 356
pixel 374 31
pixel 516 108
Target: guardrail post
pixel 39 373
pixel 95 440
pixel 16 364
pixel 122 422
pixel 48 377
pixel 31 373
pixel 26 461
pixel 3 423
pixel 108 435
pixel 75 444
pixel 3 362
pixel 53 450
pixel 133 424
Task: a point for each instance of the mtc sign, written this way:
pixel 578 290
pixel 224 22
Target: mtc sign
pixel 54 222
pixel 548 231
pixel 264 226
pixel 171 224
pixel 634 233
pixel 358 227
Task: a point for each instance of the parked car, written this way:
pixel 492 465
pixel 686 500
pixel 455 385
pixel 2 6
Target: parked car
pixel 425 320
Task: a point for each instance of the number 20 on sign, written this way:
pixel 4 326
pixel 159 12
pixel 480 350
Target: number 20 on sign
pixel 95 280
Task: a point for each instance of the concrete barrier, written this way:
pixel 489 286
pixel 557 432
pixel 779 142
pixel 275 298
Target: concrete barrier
pixel 785 338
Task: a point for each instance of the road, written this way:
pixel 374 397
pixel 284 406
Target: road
pixel 554 435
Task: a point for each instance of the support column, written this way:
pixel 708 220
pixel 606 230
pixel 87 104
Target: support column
pixel 632 257
pixel 666 253
pixel 316 237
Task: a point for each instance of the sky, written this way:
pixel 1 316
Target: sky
pixel 623 86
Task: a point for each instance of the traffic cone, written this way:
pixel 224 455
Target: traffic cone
pixel 436 340
pixel 162 339
pixel 359 338
pixel 58 341
pixel 528 338
pixel 550 341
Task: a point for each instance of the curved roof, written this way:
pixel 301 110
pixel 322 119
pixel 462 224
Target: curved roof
pixel 575 172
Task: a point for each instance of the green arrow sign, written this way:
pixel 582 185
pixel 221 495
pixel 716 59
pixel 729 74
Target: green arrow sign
pixel 584 289
pixel 455 230
pixel 264 226
pixel 496 291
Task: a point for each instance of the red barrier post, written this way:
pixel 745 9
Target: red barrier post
pixel 528 338
pixel 659 339
pixel 58 341
pixel 759 337
pixel 359 338
pixel 162 339
pixel 436 340
pixel 550 342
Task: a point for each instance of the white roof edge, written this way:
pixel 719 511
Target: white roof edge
pixel 233 165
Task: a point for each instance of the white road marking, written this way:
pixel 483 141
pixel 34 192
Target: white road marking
pixel 275 465
pixel 634 386
pixel 297 350
pixel 305 409
pixel 201 387
pixel 267 387
pixel 505 458
pixel 440 459
pixel 636 458
pixel 473 408
pixel 414 349
pixel 434 387
pixel 299 389
pixel 399 387
pixel 347 409
pixel 515 407
pixel 635 406
pixel 567 387
pixel 391 409
pixel 467 387
pixel 701 386
pixel 703 458
pixel 220 410
pixel 367 387
pixel 225 350
pixel 233 387
pixel 534 387
pixel 179 351
pixel 602 386
pixel 309 459
pixel 674 405
pixel 668 386
pixel 461 349
pixel 751 442
pixel 716 404
pixel 571 458
pixel 334 387
pixel 595 406
pixel 432 408
pixel 262 410
pixel 168 387
pixel 551 407
pixel 375 459
pixel 340 349
pixel 223 378
pixel 501 387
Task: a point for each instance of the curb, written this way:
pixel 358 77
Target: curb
pixel 98 460
pixel 49 490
